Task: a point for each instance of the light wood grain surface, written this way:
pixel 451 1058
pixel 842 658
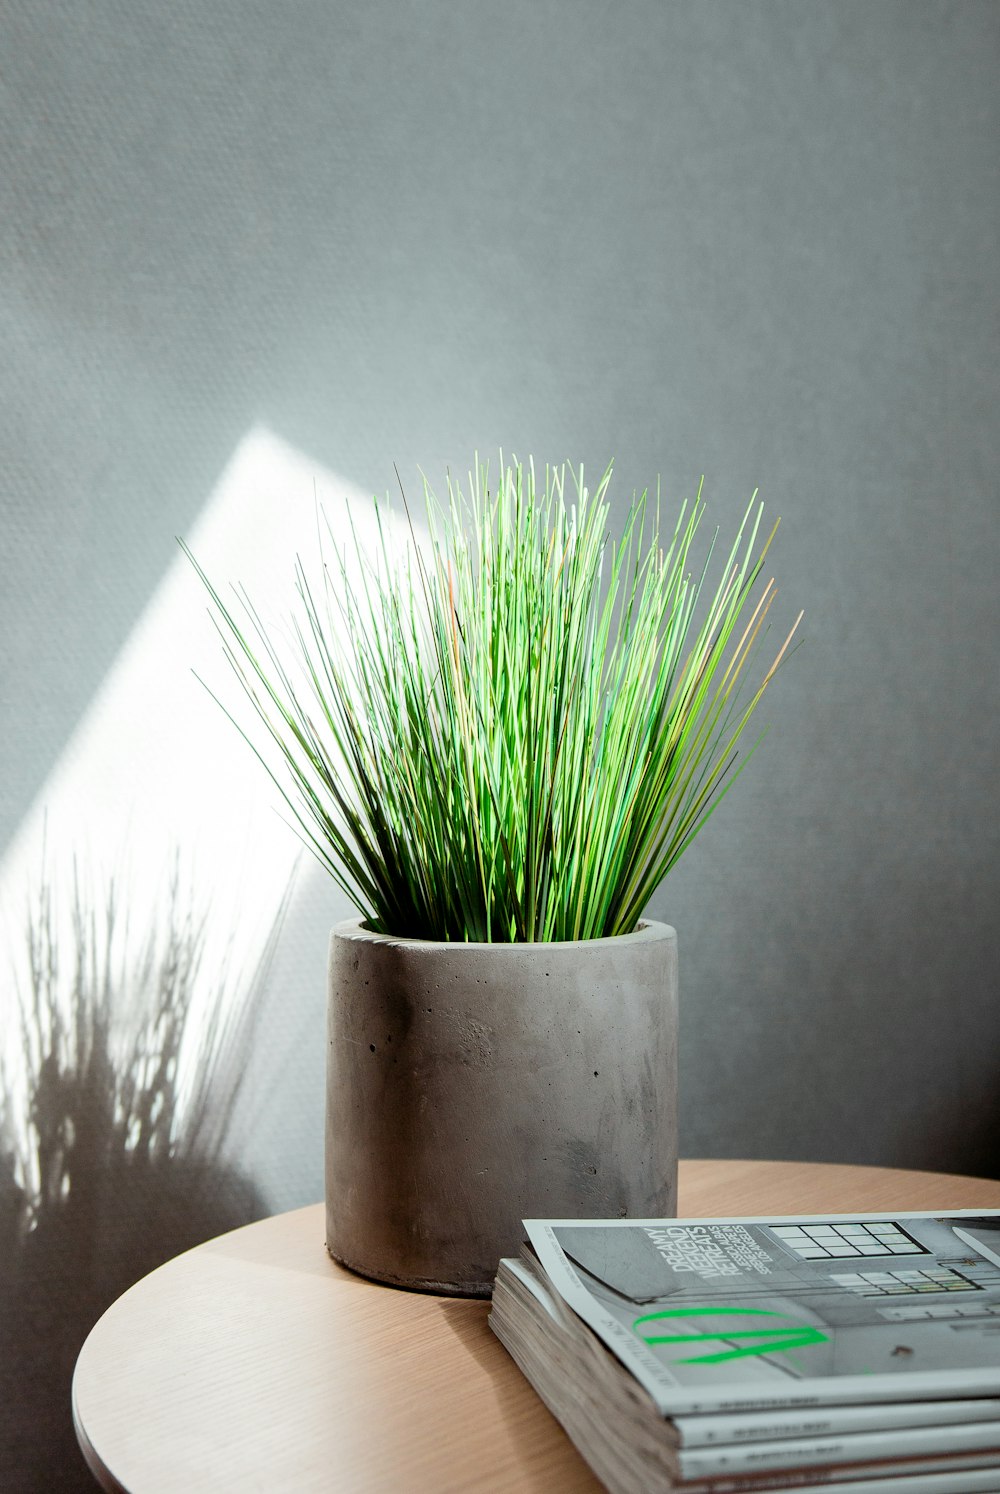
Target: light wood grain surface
pixel 256 1363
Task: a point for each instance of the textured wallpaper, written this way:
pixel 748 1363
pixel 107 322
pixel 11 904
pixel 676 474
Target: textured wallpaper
pixel 254 254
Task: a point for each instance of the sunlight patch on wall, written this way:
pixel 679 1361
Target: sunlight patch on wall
pixel 154 771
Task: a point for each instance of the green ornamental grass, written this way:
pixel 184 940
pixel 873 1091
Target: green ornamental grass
pixel 512 730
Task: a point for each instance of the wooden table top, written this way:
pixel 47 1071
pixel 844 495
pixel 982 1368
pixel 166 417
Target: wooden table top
pixel 255 1363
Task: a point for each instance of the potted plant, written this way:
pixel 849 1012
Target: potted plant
pixel 498 742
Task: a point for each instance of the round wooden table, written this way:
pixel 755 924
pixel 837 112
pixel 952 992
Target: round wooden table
pixel 256 1363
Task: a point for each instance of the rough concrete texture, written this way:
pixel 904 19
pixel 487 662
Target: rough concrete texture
pixel 470 1086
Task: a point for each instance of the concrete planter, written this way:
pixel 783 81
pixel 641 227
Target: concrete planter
pixel 470 1086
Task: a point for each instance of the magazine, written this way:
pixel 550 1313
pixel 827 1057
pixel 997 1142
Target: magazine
pixel 746 1354
pixel 755 1314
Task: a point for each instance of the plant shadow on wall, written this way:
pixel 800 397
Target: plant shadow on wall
pixel 113 1147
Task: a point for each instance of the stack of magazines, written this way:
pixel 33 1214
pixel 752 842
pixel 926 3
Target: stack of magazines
pixel 855 1352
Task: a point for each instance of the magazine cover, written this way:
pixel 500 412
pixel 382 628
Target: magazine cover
pixel 730 1314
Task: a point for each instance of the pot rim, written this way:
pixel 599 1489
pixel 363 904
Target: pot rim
pixel 647 931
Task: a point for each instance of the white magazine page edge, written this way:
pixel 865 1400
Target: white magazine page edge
pixel 533 1284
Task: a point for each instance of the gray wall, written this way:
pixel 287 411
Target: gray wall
pixel 752 240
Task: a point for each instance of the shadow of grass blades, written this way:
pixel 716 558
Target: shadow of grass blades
pixel 109 1166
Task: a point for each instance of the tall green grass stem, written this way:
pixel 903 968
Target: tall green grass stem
pixel 512 729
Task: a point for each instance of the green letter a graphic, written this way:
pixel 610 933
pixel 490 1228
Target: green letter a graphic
pixel 799 1336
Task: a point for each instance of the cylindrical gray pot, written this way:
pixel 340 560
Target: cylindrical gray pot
pixel 470 1086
